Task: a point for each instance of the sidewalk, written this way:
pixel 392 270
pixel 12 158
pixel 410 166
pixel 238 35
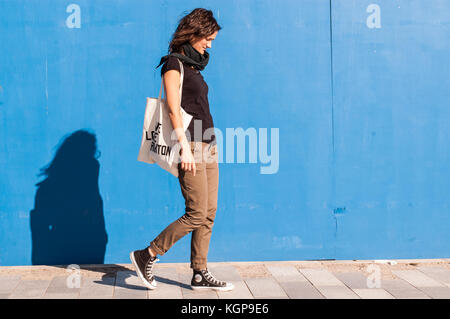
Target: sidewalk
pixel 403 279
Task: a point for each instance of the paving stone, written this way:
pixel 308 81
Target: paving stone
pixel 353 280
pixel 99 296
pixel 98 288
pixel 169 286
pixel 373 293
pixel 286 273
pixel 62 282
pixel 240 291
pixel 30 289
pixel 129 286
pixel 337 292
pixel 265 288
pixel 165 292
pixel 128 294
pixel 8 283
pixel 417 278
pixel 225 272
pixel 437 292
pixel 64 295
pixel 439 274
pixel 230 274
pixel 252 270
pixel 59 286
pixel 400 289
pixel 301 290
pixel 128 279
pixel 321 277
pixel 189 293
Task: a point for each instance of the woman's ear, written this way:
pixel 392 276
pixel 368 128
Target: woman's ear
pixel 194 40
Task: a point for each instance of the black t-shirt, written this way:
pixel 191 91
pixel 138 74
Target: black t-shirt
pixel 194 98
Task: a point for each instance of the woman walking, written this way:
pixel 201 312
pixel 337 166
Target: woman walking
pixel 199 169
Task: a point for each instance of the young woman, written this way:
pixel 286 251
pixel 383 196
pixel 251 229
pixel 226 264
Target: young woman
pixel 199 169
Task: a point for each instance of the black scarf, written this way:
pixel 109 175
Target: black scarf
pixel 191 57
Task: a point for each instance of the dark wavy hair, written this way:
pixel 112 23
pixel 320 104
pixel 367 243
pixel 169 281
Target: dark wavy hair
pixel 200 23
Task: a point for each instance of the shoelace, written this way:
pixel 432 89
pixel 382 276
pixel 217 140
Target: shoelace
pixel 211 278
pixel 149 267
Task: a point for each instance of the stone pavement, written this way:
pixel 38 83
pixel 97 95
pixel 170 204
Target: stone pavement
pixel 392 279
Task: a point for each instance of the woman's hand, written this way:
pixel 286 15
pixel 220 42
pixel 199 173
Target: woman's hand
pixel 187 160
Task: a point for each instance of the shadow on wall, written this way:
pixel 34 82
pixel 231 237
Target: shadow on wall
pixel 67 222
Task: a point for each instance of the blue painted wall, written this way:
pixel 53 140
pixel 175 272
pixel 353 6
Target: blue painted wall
pixel 358 90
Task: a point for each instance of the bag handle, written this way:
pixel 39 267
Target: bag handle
pixel 181 81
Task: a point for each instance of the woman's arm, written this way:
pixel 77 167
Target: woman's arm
pixel 172 89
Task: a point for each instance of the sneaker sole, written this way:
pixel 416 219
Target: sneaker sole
pixel 140 275
pixel 213 288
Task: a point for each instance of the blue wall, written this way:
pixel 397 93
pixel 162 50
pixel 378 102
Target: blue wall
pixel 358 90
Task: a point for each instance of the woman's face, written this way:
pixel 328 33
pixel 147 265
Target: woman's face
pixel 202 44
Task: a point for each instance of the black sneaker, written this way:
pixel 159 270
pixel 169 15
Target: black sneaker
pixel 203 279
pixel 144 263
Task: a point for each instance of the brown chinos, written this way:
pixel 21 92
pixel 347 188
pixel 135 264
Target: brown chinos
pixel 200 194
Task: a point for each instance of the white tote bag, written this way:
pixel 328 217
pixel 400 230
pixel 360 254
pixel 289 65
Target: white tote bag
pixel 157 143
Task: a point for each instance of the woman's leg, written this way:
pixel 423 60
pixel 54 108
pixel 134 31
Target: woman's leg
pixel 202 235
pixel 202 277
pixel 195 193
